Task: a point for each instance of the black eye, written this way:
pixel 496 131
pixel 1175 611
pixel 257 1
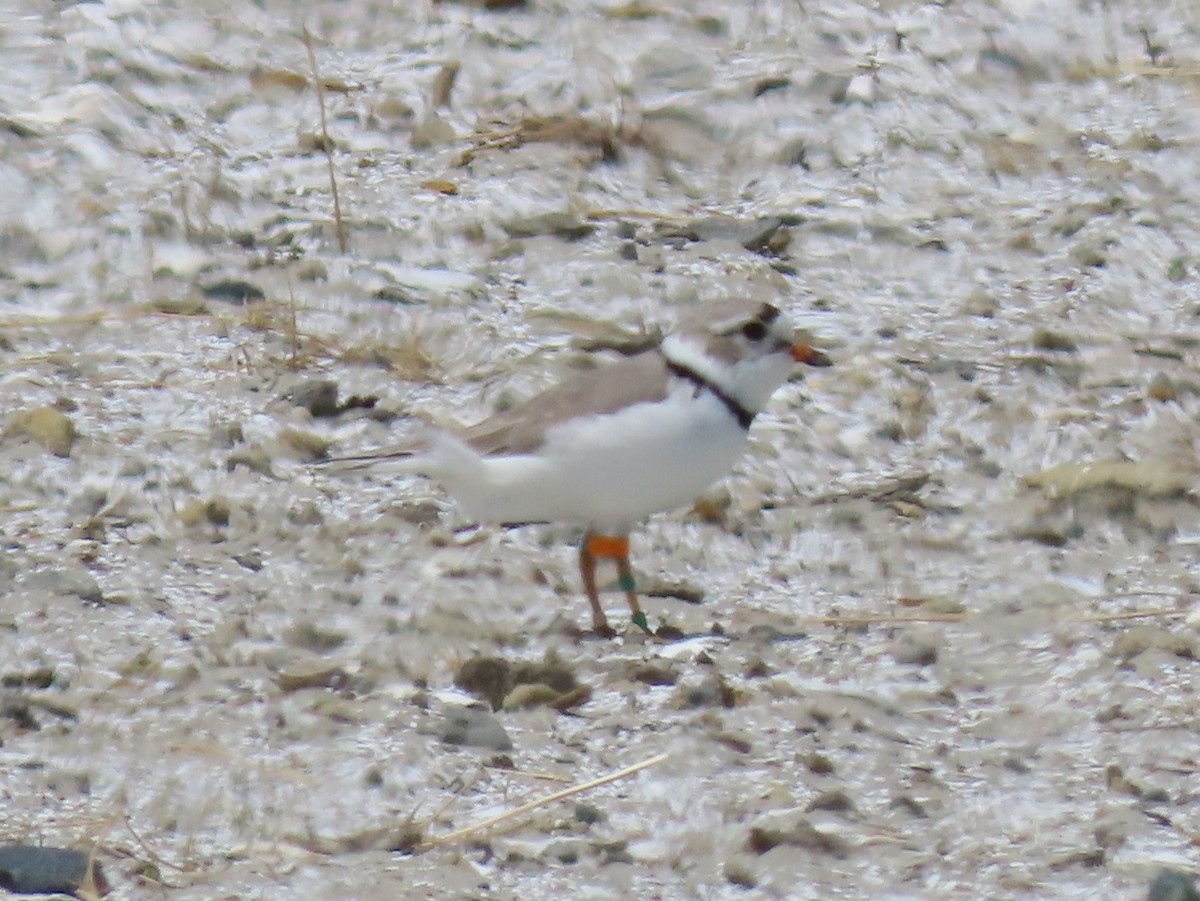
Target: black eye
pixel 754 330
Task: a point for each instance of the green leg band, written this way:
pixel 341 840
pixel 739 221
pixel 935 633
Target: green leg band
pixel 626 582
pixel 639 620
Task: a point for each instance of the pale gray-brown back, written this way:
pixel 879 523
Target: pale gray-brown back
pixel 523 428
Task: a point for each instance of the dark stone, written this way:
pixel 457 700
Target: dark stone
pixel 28 869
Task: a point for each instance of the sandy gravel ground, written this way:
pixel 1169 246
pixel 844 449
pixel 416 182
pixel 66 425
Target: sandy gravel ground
pixel 945 643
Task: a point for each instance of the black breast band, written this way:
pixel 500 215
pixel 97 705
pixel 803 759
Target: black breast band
pixel 743 416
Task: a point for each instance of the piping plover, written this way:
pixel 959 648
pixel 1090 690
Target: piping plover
pixel 608 447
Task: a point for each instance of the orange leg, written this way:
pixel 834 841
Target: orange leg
pixel 587 570
pixel 615 547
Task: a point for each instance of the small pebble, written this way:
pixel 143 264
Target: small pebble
pixel 587 814
pixel 48 426
pixel 818 764
pixel 1139 639
pixel 803 835
pixel 1171 885
pixel 1045 339
pixel 311 637
pixel 308 445
pixel 474 728
pixel 1087 254
pixel 738 872
pixel 253 456
pixel 320 676
pixel 910 804
pixel 653 674
pixel 914 651
pixel 836 800
pixel 489 678
pixel 1161 388
pixel 318 396
pixel 530 695
pixel 38 870
pixel 235 291
pixel 713 691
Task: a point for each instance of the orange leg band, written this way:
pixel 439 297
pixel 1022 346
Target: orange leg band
pixel 607 545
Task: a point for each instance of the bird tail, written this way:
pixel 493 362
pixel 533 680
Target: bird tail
pixel 450 459
pixel 403 458
pixel 439 455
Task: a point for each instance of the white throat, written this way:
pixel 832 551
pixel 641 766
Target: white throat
pixel 750 381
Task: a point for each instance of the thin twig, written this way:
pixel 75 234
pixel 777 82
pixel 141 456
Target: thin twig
pixel 887 619
pixel 443 83
pixel 877 619
pixel 157 859
pixel 326 141
pixel 293 333
pixel 526 774
pixel 539 802
pixel 1127 614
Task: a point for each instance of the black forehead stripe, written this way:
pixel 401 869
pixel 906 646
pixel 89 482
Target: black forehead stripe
pixel 768 314
pixel 743 416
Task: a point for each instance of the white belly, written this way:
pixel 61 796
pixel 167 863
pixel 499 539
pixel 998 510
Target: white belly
pixel 609 471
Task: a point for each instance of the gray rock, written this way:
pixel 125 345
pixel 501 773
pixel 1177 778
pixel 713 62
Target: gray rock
pixel 28 869
pixel 1139 639
pixel 318 396
pixel 713 691
pixel 916 651
pixel 234 291
pixel 476 728
pixel 1172 886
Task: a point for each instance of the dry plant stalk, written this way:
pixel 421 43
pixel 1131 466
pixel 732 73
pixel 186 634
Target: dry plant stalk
pixel 293 333
pixel 890 619
pixel 443 83
pixel 326 141
pixel 604 140
pixel 544 800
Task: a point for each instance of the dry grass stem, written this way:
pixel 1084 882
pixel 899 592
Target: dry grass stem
pixel 889 619
pixel 604 140
pixel 326 141
pixel 458 834
pixel 443 84
pixel 527 774
pixel 293 333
